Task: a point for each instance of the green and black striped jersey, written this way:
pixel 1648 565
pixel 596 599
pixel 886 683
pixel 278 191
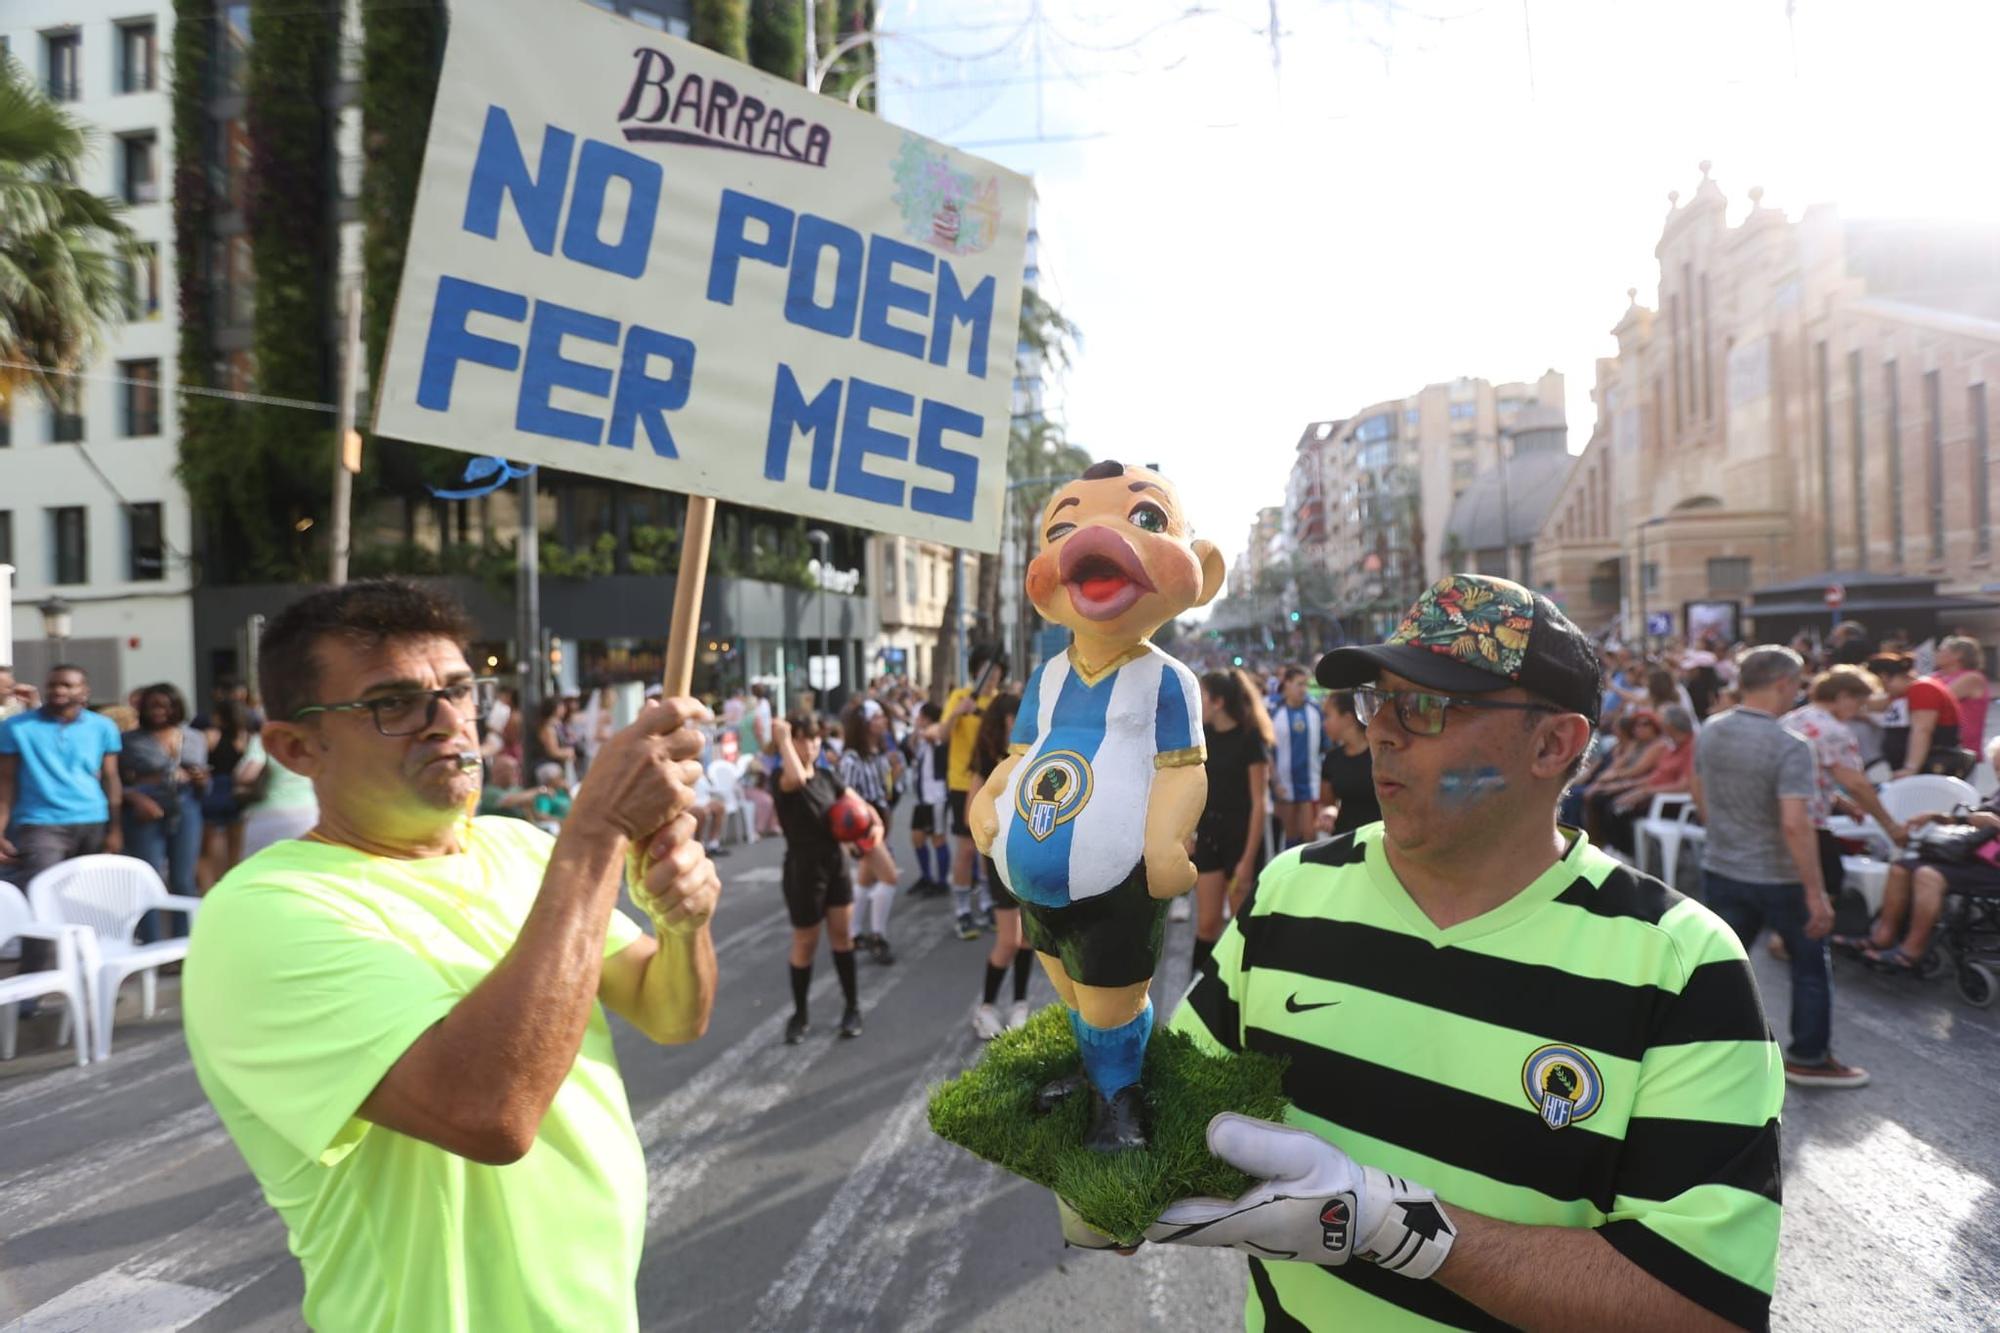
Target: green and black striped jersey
pixel 1593 1053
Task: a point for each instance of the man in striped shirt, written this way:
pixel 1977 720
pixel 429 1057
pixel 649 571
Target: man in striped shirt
pixel 1529 1086
pixel 1298 739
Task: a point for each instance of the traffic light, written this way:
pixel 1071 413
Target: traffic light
pixel 1295 617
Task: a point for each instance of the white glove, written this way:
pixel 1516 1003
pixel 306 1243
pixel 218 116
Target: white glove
pixel 1312 1203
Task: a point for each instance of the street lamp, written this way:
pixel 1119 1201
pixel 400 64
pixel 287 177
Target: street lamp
pixel 55 624
pixel 819 538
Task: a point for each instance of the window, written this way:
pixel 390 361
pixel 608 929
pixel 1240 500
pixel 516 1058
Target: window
pixel 910 572
pixel 67 427
pixel 142 283
pixel 70 545
pixel 1464 411
pixel 138 57
pixel 1652 576
pixel 1729 573
pixel 145 542
pixel 232 66
pixel 64 51
pixel 1934 459
pixel 6 536
pixel 235 275
pixel 229 161
pixel 141 390
pixel 1381 426
pixel 888 570
pixel 1895 464
pixel 1858 430
pixel 6 425
pixel 1982 509
pixel 138 158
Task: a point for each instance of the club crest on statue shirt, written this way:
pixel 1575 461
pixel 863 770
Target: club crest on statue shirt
pixel 1052 792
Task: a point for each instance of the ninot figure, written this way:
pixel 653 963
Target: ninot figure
pixel 1088 818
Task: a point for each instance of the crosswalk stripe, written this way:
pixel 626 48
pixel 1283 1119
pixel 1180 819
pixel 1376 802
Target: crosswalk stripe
pixel 844 1296
pixel 49 1193
pixel 160 1287
pixel 745 1081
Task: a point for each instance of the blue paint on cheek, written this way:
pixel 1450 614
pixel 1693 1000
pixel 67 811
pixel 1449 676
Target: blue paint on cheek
pixel 1459 787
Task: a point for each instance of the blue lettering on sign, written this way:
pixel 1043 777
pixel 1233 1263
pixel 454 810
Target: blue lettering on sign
pixel 860 437
pixel 843 439
pixel 645 401
pixel 450 342
pixel 961 467
pixel 799 242
pixel 640 398
pixel 791 412
pixel 886 294
pixel 500 170
pixel 548 368
pixel 814 236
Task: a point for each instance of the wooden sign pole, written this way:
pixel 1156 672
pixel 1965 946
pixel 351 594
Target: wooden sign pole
pixel 685 635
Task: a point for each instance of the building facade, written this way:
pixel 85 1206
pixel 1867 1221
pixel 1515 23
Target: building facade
pixel 1807 402
pixel 90 510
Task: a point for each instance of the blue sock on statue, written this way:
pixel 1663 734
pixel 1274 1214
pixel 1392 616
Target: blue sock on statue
pixel 1113 1057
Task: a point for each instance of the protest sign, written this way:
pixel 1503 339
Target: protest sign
pixel 634 258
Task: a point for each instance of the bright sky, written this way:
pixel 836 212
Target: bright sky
pixel 1411 198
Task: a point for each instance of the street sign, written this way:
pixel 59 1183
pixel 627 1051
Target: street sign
pixel 638 259
pixel 1835 595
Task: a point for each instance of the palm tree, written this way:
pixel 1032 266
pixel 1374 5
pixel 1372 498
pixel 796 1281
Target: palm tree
pixel 60 246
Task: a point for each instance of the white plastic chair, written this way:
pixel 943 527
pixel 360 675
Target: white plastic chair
pixel 64 979
pixel 106 896
pixel 1669 823
pixel 1926 794
pixel 727 780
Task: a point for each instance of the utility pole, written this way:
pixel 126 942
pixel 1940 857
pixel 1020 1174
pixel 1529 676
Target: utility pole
pixel 347 445
pixel 528 624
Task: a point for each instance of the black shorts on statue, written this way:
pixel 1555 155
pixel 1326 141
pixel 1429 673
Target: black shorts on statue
pixel 1218 842
pixel 815 882
pixel 957 802
pixel 1111 940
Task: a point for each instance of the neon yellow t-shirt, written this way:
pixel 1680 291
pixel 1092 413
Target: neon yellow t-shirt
pixel 964 739
pixel 312 969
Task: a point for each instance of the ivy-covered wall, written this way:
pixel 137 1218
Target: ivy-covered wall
pixel 204 467
pixel 288 216
pixel 402 50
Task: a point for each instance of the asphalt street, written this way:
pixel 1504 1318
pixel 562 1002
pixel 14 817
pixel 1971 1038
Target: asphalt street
pixel 799 1187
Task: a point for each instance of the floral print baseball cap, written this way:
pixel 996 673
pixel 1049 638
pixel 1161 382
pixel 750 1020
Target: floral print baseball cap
pixel 1473 634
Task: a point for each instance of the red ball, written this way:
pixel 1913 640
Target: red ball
pixel 852 820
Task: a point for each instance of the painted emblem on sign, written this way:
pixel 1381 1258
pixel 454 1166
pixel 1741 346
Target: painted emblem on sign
pixel 1563 1085
pixel 951 210
pixel 1052 791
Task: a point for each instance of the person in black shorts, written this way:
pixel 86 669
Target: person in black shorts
pixel 929 821
pixel 816 883
pixel 996 724
pixel 1347 773
pixel 1227 845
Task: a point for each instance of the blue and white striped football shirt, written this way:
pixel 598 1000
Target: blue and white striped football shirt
pixel 1073 817
pixel 1301 742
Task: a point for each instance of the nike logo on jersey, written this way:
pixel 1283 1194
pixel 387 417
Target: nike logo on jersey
pixel 1292 1005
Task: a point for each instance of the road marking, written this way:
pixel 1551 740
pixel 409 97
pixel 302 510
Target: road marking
pixel 747 1080
pixel 157 1289
pixel 1922 1217
pixel 42 1195
pixel 846 1296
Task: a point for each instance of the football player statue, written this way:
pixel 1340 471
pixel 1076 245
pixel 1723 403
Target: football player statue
pixel 1088 817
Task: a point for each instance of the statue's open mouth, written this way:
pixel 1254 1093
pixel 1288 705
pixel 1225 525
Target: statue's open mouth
pixel 1103 574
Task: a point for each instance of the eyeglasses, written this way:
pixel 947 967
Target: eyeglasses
pixel 1423 713
pixel 408 712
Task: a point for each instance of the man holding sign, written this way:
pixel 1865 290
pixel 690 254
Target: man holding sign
pixel 400 1016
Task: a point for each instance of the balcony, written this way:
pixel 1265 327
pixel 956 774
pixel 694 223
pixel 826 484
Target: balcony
pixel 65 88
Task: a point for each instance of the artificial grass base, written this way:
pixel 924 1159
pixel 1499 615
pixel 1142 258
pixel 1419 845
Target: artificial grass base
pixel 989 1111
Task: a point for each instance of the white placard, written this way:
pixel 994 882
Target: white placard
pixel 634 258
